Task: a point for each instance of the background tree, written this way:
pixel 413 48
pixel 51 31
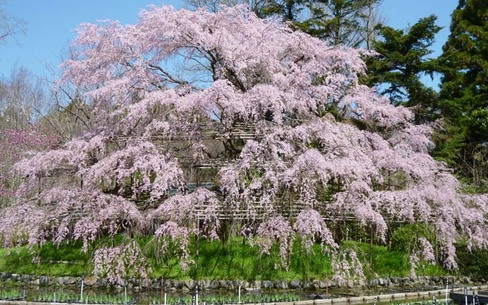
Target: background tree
pixel 340 22
pixel 23 99
pixel 343 22
pixel 464 92
pixel 216 5
pixel 288 10
pixel 68 116
pixel 28 122
pixel 277 162
pixel 19 97
pixel 22 103
pixel 10 26
pixel 401 62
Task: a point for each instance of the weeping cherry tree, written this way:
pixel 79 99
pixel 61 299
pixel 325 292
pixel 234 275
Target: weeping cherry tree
pixel 203 117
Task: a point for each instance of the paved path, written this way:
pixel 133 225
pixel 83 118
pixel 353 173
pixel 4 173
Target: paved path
pixel 386 298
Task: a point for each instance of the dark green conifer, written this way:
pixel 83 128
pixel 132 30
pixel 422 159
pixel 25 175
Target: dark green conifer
pixel 402 60
pixel 464 92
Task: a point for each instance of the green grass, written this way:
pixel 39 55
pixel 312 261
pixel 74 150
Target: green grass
pixel 389 263
pixel 234 260
pixel 51 260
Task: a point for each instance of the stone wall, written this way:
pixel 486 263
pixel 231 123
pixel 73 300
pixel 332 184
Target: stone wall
pixel 174 285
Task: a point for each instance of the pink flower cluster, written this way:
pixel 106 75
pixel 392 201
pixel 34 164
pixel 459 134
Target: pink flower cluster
pixel 119 264
pixel 15 144
pixel 347 268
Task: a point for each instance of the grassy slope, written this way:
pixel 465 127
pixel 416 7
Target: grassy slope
pixel 236 260
pixel 66 260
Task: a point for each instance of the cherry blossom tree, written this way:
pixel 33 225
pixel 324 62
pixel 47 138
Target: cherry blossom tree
pixel 204 117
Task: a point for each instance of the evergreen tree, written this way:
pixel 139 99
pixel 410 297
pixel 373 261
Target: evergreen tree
pixel 342 22
pixel 289 9
pixel 401 62
pixel 464 91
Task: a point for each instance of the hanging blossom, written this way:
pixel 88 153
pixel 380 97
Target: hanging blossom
pixel 423 251
pixel 16 144
pixel 182 216
pixel 413 260
pixel 140 167
pixel 22 225
pixel 62 215
pixel 347 268
pixel 119 264
pixel 275 229
pixel 311 226
pixel 427 250
pixel 171 234
pixel 187 210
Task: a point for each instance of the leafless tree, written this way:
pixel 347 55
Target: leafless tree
pixel 10 26
pixel 22 99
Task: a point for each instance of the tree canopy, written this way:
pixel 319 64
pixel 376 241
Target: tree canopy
pixel 342 22
pixel 191 129
pixel 401 61
pixel 464 92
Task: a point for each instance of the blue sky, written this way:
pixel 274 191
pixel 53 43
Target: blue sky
pixel 50 25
